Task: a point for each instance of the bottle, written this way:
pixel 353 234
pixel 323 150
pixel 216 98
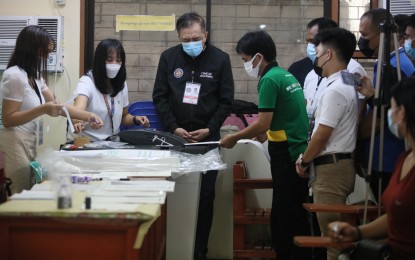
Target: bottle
pixel 64 192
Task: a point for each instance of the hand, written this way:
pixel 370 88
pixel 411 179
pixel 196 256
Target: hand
pixel 366 89
pixel 261 138
pixel 184 134
pixel 301 171
pixel 200 134
pixel 52 108
pixel 78 125
pixel 342 232
pixel 228 141
pixel 143 121
pixel 95 121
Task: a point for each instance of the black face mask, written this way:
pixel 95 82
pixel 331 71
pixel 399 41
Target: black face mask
pixel 318 70
pixel 364 47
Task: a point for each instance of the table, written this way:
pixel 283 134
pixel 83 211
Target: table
pixel 37 230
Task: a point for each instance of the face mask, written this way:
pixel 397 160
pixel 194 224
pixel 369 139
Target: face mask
pixel 393 127
pixel 249 67
pixel 409 49
pixel 112 70
pixel 318 70
pixel 311 51
pixel 193 49
pixel 364 47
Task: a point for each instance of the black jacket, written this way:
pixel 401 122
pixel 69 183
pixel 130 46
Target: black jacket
pixel 212 68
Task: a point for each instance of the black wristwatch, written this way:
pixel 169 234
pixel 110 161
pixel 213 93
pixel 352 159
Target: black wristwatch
pixel 304 164
pixel 136 122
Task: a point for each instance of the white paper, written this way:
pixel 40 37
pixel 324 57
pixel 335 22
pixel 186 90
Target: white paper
pixel 167 186
pixel 68 117
pixel 127 193
pixel 129 200
pixel 34 195
pixel 124 175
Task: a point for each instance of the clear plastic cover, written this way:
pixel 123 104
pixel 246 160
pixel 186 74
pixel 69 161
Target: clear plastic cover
pixel 89 163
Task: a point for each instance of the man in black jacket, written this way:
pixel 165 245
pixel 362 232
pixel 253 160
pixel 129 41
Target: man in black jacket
pixel 193 94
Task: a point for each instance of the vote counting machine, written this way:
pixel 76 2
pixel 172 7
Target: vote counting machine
pixel 160 140
pixel 141 138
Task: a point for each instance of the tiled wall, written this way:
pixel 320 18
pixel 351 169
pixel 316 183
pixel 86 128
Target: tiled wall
pixel 285 20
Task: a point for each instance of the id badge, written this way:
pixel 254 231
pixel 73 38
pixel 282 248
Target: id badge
pixel 191 93
pixel 40 131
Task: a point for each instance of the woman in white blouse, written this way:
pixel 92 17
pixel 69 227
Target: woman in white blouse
pixel 25 99
pixel 104 91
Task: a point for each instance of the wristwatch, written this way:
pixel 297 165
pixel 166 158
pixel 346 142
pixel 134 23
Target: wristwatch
pixel 304 164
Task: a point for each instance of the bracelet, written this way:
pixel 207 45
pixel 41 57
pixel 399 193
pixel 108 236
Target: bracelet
pixel 136 122
pixel 359 234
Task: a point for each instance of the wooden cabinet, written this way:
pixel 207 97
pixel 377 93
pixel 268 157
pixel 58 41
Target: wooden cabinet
pixel 243 216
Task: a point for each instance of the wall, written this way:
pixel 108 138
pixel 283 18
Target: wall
pixel 286 22
pixel 65 83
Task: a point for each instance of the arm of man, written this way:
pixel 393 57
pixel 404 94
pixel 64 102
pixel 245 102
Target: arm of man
pixel 314 148
pixel 257 128
pixel 225 97
pixel 161 93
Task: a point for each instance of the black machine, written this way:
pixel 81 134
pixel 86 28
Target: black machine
pixel 160 140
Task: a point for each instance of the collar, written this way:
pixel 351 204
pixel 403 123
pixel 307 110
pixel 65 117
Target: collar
pixel 268 67
pixel 333 77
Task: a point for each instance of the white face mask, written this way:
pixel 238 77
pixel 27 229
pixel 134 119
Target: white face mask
pixel 393 127
pixel 112 69
pixel 249 67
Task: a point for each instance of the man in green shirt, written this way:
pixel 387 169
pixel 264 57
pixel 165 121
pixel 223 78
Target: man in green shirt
pixel 283 120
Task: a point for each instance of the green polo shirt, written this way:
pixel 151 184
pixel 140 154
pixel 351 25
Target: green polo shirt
pixel 280 92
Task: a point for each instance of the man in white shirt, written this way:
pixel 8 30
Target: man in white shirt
pixel 333 139
pixel 315 85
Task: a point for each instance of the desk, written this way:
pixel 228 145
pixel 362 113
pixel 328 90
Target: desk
pixel 348 213
pixel 37 230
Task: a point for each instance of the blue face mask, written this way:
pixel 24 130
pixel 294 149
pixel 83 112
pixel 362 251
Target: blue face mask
pixel 393 127
pixel 311 51
pixel 409 49
pixel 193 49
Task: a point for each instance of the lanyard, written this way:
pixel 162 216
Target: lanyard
pixel 110 110
pixel 35 87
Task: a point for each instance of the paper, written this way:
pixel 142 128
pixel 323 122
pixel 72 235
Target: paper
pixel 34 195
pixel 203 143
pixel 129 200
pixel 167 186
pixel 124 175
pixel 127 193
pixel 68 119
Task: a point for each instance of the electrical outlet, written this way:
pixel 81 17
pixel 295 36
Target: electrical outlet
pixel 60 2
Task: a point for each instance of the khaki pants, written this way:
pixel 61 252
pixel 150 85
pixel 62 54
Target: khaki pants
pixel 333 183
pixel 19 148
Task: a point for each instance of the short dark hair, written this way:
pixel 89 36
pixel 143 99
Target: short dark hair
pixel 31 51
pixel 411 21
pixel 188 19
pixel 107 47
pixel 323 23
pixel 377 16
pixel 340 40
pixel 257 42
pixel 401 20
pixel 404 94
